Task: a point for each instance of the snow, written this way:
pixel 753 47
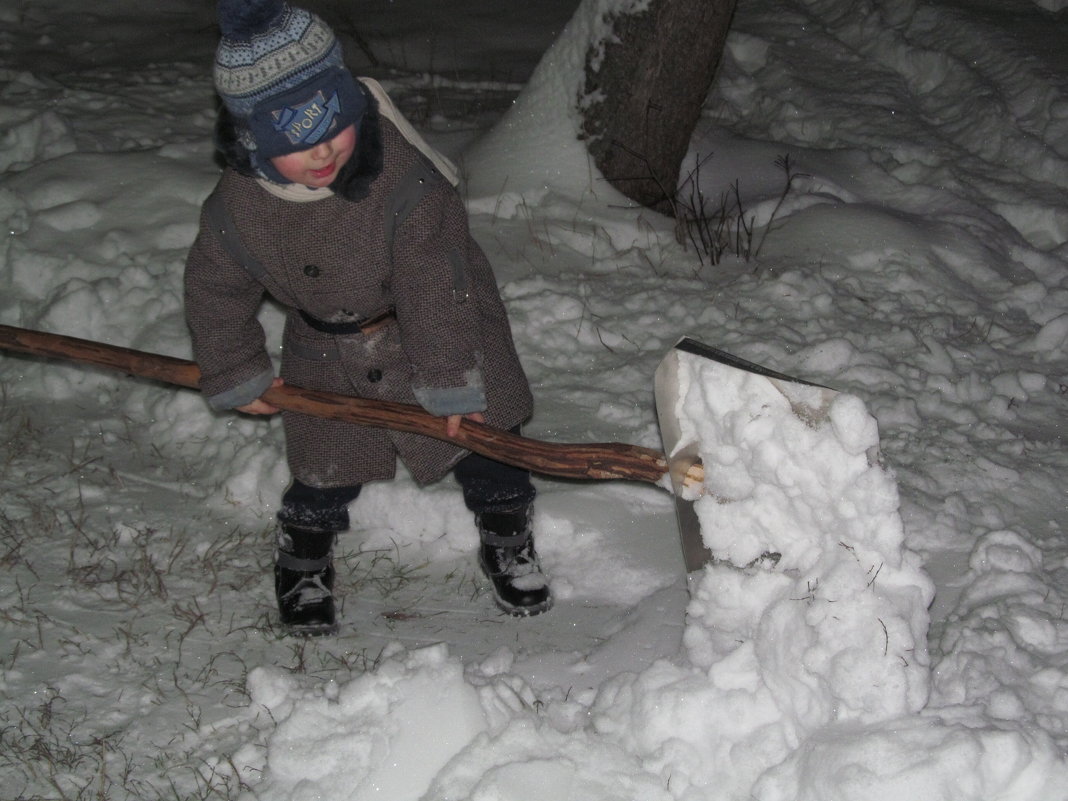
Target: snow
pixel 906 640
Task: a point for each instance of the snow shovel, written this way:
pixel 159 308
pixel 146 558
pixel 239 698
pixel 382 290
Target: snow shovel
pixel 680 466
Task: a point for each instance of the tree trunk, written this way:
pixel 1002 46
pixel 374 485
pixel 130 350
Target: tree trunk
pixel 644 91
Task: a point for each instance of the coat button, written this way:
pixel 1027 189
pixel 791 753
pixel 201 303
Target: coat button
pixel 311 270
pixel 374 375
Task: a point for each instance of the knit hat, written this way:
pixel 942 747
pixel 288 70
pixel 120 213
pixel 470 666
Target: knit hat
pixel 280 73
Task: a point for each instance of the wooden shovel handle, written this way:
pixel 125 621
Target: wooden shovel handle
pixel 605 460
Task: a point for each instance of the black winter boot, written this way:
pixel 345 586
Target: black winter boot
pixel 304 581
pixel 508 559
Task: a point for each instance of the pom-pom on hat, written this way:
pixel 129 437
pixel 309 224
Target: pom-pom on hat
pixel 280 73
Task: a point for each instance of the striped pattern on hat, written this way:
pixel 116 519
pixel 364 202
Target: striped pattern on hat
pixel 260 55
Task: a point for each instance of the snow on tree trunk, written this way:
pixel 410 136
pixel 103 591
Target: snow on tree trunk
pixel 644 89
pixel 582 94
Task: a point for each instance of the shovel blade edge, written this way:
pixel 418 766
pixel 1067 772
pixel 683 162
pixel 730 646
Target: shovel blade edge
pixel 682 453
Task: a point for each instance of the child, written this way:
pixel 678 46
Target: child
pixel 329 208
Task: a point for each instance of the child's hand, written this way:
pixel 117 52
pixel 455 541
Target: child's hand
pixel 452 422
pixel 260 406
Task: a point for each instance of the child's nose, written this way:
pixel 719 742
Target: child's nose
pixel 322 150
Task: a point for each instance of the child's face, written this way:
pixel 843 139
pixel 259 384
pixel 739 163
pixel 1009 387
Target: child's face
pixel 318 166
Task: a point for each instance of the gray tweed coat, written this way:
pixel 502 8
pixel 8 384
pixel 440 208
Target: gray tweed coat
pixel 340 259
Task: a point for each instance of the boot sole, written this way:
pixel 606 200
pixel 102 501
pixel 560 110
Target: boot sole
pixel 320 630
pixel 523 611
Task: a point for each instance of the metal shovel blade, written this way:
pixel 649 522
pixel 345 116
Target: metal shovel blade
pixel 808 401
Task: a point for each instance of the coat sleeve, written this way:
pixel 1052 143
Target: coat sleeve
pixel 221 304
pixel 439 316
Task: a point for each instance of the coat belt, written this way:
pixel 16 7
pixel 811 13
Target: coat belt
pixel 368 325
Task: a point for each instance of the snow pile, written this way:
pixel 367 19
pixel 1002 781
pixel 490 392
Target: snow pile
pixel 26 138
pixel 812 612
pixel 414 705
pixel 919 758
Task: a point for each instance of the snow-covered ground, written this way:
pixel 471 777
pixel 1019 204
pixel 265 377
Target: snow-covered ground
pixel 909 641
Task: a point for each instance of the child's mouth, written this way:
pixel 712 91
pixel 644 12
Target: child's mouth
pixel 323 172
